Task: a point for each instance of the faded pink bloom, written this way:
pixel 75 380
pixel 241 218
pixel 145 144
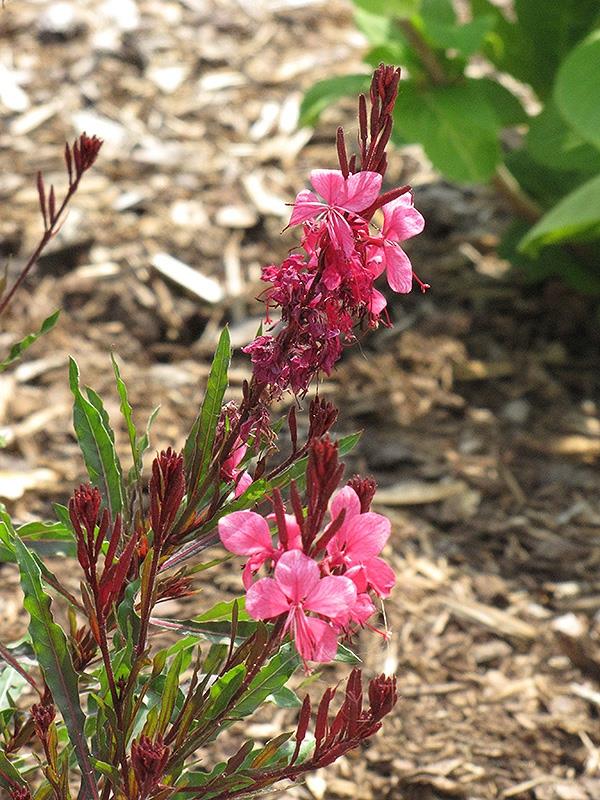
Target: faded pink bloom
pixel 358 543
pixel 296 588
pixel 341 195
pixel 401 222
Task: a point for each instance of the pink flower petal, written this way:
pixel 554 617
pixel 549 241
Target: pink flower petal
pixel 399 269
pixel 265 600
pixel 315 639
pixel 245 533
pixel 401 219
pixel 362 189
pixel 377 302
pixel 340 233
pixel 345 500
pixel 365 536
pixel 362 609
pixel 380 576
pixel 330 184
pixel 242 484
pixel 307 206
pixel 296 574
pixel 333 595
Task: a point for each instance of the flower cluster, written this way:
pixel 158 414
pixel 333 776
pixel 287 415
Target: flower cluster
pixel 320 586
pixel 328 288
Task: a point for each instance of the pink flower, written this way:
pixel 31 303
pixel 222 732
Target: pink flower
pixel 230 471
pixel 401 221
pixel 341 195
pixel 297 587
pixel 357 544
pixel 247 534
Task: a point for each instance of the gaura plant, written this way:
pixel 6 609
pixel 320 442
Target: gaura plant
pixel 118 717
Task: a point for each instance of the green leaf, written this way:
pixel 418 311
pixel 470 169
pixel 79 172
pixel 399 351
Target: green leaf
pixel 577 90
pixel 126 411
pixel 198 449
pixel 222 691
pixel 575 219
pixel 97 444
pixel 222 611
pixel 400 9
pixel 269 679
pixel 218 632
pixel 441 28
pixel 505 105
pixel 456 125
pixel 45 538
pixel 326 92
pixel 551 261
pixel 284 698
pixel 376 28
pixel 9 775
pixel 532 47
pixel 17 350
pixel 51 650
pixel 347 656
pixel 552 143
pixel 169 694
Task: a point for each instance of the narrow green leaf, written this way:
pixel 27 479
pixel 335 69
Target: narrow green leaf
pixel 575 219
pixel 218 632
pixel 127 413
pixel 17 350
pixel 97 444
pixel 222 611
pixel 50 646
pixel 270 679
pixel 223 690
pixel 9 775
pixel 198 449
pixel 169 694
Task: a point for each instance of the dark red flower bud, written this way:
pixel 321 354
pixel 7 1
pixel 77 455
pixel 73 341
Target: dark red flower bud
pixel 43 716
pixel 84 507
pixel 149 760
pixel 365 488
pixel 322 416
pixel 20 793
pixel 167 488
pixel 84 152
pixel 382 696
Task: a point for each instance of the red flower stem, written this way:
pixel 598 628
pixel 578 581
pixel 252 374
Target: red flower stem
pixel 49 233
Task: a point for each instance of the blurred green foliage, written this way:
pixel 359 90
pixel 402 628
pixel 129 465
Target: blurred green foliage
pixel 553 176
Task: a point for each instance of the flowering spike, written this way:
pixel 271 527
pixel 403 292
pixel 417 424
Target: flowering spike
pixel 42 197
pixel 167 488
pixel 341 150
pixel 148 759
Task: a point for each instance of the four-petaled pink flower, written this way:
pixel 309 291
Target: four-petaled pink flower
pixel 358 543
pixel 352 194
pixel 246 533
pixel 297 588
pixel 401 221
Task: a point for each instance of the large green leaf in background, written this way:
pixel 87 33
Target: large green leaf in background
pixel 400 9
pixel 442 28
pixel 577 91
pixel 576 218
pixel 532 50
pixel 51 650
pixel 456 125
pixel 554 144
pixel 97 444
pixel 324 93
